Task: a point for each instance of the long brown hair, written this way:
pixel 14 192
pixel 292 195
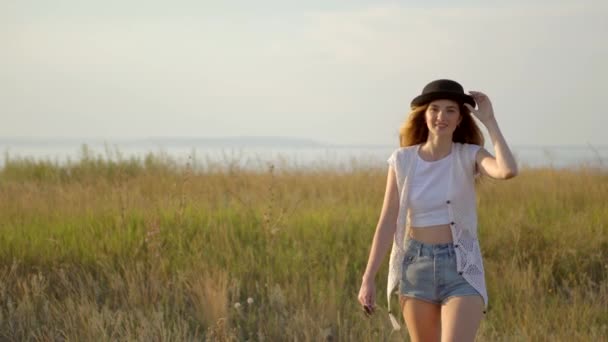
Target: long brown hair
pixel 415 131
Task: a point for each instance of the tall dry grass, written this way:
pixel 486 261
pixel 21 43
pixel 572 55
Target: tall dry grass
pixel 104 250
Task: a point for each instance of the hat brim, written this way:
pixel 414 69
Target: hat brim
pixel 439 95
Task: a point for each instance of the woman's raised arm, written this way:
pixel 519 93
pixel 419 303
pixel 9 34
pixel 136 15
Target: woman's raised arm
pixel 503 166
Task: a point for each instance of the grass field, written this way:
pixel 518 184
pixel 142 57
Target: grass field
pixel 145 250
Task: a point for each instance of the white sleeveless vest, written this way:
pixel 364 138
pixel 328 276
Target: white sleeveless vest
pixel 462 207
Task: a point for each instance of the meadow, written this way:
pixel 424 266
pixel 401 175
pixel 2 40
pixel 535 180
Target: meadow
pixel 148 250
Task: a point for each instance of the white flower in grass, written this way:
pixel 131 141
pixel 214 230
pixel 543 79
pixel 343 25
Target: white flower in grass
pixel 249 300
pixel 237 305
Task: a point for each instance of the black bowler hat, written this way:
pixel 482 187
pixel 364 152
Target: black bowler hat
pixel 443 89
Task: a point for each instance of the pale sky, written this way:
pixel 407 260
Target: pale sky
pixel 333 71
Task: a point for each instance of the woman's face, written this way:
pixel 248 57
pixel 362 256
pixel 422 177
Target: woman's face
pixel 442 117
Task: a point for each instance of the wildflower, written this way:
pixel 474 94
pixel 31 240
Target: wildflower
pixel 237 305
pixel 249 300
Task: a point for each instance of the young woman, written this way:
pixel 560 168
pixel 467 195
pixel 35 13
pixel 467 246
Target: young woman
pixel 429 214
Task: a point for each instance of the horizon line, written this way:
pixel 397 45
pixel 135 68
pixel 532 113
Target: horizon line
pixel 235 138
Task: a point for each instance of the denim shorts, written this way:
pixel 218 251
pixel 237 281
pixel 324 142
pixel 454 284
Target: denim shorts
pixel 429 273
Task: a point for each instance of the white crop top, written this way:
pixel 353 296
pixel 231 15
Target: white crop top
pixel 428 192
pixel 462 207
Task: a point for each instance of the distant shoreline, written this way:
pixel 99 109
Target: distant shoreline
pixel 245 152
pixel 239 141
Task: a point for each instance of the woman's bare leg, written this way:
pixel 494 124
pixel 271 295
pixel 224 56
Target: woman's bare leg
pixel 460 317
pixel 423 319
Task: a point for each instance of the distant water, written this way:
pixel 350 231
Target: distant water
pixel 258 155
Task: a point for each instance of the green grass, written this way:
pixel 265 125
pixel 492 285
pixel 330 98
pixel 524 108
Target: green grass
pixel 145 250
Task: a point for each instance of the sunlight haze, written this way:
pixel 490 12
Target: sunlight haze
pixel 337 71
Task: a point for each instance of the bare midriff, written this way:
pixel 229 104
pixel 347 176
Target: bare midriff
pixel 432 234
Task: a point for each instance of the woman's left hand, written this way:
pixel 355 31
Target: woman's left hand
pixel 484 111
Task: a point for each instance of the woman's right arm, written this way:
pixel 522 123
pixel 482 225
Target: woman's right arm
pixel 383 239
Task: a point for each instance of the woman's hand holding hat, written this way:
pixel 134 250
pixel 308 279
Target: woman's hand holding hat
pixel 484 111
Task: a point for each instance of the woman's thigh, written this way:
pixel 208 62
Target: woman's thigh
pixel 422 318
pixel 460 318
